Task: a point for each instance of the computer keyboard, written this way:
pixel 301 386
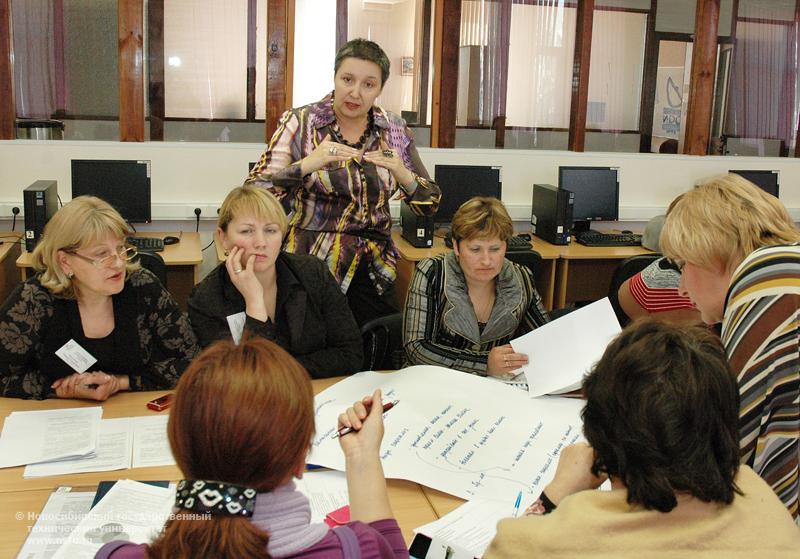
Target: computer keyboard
pixel 147 244
pixel 597 239
pixel 515 243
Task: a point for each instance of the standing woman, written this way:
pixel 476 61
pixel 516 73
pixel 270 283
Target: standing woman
pixel 339 161
pixel 87 292
pixel 738 252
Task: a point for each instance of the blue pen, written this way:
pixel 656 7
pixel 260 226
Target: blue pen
pixel 516 505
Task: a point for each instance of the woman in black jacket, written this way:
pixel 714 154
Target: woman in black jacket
pixel 291 299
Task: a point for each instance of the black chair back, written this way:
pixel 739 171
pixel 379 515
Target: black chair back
pixel 528 258
pixel 153 262
pixel 383 343
pixel 627 269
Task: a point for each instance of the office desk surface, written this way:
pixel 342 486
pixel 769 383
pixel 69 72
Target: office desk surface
pixel 409 503
pixel 10 249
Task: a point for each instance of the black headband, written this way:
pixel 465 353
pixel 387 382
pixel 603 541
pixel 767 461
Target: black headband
pixel 215 497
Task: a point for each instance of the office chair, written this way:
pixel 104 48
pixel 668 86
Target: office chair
pixel 153 262
pixel 528 258
pixel 627 269
pixel 383 343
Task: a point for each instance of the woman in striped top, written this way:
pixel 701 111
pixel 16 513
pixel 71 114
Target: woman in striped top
pixel 738 252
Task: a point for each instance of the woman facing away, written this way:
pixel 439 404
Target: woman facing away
pixel 738 252
pixel 463 307
pixel 89 299
pixel 338 162
pixel 242 424
pixel 661 421
pixel 291 299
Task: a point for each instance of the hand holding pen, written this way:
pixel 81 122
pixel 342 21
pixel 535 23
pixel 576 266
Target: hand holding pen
pixel 365 422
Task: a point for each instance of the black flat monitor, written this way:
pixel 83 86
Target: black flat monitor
pixel 765 180
pixel 125 184
pixel 459 183
pixel 596 192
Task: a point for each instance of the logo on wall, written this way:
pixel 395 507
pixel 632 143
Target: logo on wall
pixel 671 118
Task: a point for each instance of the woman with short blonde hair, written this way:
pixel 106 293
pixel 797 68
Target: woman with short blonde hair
pixel 291 299
pixel 89 292
pixel 464 307
pixel 738 252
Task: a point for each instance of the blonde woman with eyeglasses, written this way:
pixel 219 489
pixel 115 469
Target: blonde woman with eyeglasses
pixel 91 322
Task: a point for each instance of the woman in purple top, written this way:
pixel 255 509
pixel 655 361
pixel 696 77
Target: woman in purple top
pixel 240 429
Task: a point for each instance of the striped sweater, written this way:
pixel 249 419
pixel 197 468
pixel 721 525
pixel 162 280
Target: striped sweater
pixel 761 336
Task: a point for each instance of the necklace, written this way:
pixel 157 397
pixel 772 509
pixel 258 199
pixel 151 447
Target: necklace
pixel 337 133
pixel 483 312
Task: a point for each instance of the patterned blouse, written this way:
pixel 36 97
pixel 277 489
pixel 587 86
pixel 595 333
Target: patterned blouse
pixel 440 325
pixel 152 341
pixel 341 214
pixel 761 333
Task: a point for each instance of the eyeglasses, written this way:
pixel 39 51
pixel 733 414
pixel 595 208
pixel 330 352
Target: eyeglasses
pixel 126 254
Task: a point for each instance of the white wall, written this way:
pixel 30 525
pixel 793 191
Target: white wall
pixel 188 175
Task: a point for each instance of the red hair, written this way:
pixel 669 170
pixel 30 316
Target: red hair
pixel 243 415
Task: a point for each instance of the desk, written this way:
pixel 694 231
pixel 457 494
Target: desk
pixel 409 503
pixel 9 252
pixel 183 261
pixel 584 273
pixel 409 256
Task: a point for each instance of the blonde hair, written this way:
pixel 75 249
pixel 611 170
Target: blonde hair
pixel 482 217
pixel 722 221
pixel 81 222
pixel 255 201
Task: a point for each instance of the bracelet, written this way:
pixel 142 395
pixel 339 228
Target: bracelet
pixel 414 182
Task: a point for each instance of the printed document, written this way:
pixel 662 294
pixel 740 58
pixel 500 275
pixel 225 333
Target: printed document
pixel 114 447
pixel 130 511
pixel 40 436
pixel 150 441
pixel 326 491
pixel 62 512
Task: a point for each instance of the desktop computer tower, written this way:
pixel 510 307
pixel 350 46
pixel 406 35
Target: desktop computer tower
pixel 417 229
pixel 40 203
pixel 551 213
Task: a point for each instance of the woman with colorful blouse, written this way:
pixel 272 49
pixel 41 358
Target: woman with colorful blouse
pixel 337 163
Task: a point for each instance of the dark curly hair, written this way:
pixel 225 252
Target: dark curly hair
pixel 662 412
pixel 364 50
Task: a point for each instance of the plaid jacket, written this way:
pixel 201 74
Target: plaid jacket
pixel 440 326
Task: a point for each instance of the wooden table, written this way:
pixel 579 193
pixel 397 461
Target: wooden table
pixel 409 256
pixel 9 252
pixel 410 505
pixel 584 273
pixel 183 262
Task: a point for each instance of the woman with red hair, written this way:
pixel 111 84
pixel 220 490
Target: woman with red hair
pixel 240 429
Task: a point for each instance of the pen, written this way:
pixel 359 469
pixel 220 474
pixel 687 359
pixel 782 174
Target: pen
pixel 516 505
pixel 344 430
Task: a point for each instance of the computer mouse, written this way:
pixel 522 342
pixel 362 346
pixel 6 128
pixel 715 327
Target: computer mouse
pixel 170 240
pixel 624 232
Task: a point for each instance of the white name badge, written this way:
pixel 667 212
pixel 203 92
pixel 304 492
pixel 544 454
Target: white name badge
pixel 75 356
pixel 236 324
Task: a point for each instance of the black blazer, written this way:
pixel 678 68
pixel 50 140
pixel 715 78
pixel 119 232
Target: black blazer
pixel 313 321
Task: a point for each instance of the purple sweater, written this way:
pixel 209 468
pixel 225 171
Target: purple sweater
pixel 381 539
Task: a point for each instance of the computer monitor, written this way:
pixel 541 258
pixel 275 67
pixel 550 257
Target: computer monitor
pixel 596 192
pixel 459 183
pixel 125 184
pixel 765 180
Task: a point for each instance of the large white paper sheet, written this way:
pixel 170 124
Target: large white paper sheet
pixel 561 352
pixel 326 492
pixel 456 432
pixel 62 512
pixel 150 442
pixel 114 445
pixel 45 435
pixel 130 511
